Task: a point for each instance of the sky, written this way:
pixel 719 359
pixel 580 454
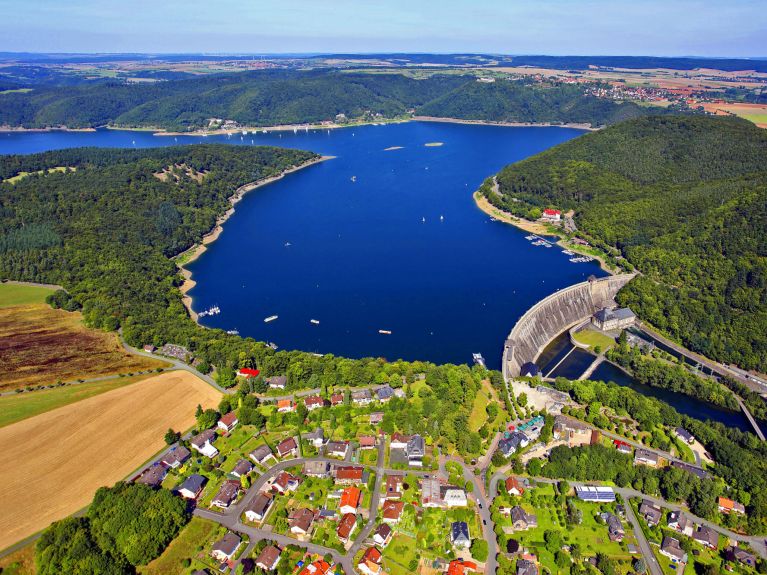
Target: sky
pixel 734 28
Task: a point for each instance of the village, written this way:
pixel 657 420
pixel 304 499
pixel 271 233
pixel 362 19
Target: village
pixel 323 497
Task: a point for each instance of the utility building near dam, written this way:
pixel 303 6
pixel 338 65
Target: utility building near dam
pixel 613 319
pixel 556 314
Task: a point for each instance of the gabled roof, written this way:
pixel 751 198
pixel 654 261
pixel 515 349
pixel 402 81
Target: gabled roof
pixel 514 483
pixel 351 497
pixel 392 509
pixel 286 445
pixel 193 483
pixel 349 472
pixel 268 556
pixel 243 467
pixel 228 419
pixel 301 518
pixel 228 543
pixel 261 452
pixel 247 372
pixel 176 455
pixel 345 526
pixel 373 555
pixel 383 531
pixel 203 437
pixel 459 531
pixel 260 504
pixel 385 392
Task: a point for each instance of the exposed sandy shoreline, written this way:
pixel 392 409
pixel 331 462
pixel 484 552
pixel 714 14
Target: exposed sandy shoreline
pixel 56 129
pixel 279 128
pixel 532 227
pixel 505 124
pixel 198 249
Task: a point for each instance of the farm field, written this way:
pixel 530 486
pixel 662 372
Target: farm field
pixel 756 113
pixel 17 407
pixel 68 453
pixel 40 345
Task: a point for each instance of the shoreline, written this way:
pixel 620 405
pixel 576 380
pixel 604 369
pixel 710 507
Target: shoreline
pixel 533 227
pixel 201 247
pixel 21 130
pixel 587 127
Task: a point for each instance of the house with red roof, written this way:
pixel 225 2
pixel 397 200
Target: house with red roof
pixel 336 399
pixel 552 215
pixel 285 482
pixel 460 567
pixel 350 500
pixel 346 527
pixel 314 402
pixel 348 474
pixel 370 562
pixel 392 511
pixel 514 486
pixel 247 372
pixel 320 567
pixel 730 506
pixel 228 422
pixel 367 442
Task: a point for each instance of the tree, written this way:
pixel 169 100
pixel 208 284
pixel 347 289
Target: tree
pixel 171 436
pixel 479 550
pixel 522 399
pixel 553 539
pixel 534 467
pixel 640 566
pixel 207 419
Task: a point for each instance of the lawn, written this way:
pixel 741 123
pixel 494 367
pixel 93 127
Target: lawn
pixel 368 456
pixel 479 416
pixel 593 338
pixel 40 346
pixel 22 175
pixel 399 554
pixel 20 406
pixel 12 294
pixel 189 544
pixel 20 562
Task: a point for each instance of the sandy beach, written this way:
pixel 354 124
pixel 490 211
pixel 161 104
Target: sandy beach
pixel 198 249
pixel 279 128
pixel 505 124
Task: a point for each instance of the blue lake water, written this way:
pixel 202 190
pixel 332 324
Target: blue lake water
pixel 358 255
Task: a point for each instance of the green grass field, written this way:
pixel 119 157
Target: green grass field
pixel 12 294
pixel 755 118
pixel 20 406
pixel 593 338
pixel 22 175
pixel 187 545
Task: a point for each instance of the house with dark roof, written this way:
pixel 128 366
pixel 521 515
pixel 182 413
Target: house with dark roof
pixel 225 548
pixel 614 527
pixel 672 549
pixel 203 443
pixel 260 454
pixel 706 536
pixel 651 512
pixel 515 441
pixel 383 534
pixel 300 521
pixel 680 522
pixel 362 397
pixel 277 381
pixel 287 447
pixel 416 449
pixel 459 535
pixel 338 449
pixel 645 457
pixel 529 369
pixel 521 520
pixel 192 486
pixel 740 555
pixel 316 438
pixel 613 319
pixel 269 558
pixel 227 494
pixel 526 567
pixel 153 475
pixel 242 467
pixel 257 509
pixel 176 457
pixel 684 435
pixel 384 393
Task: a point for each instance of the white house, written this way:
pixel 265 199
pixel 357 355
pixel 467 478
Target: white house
pixel 202 443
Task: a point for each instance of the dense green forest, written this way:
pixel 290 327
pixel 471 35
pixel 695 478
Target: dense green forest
pixel 288 97
pixel 684 200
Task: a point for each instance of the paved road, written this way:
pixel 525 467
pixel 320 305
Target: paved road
pixel 644 546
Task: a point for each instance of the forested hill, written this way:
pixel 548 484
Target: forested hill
pixel 268 98
pixel 684 199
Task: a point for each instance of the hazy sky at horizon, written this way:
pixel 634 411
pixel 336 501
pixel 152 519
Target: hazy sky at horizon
pixel 593 27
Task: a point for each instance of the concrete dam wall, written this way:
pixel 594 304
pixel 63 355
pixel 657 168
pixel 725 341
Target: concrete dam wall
pixel 555 314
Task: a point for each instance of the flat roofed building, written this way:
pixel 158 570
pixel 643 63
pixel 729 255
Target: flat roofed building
pixel 594 493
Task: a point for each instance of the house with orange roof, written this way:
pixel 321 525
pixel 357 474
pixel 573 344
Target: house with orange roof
pixel 460 567
pixel 370 562
pixel 320 567
pixel 392 511
pixel 286 406
pixel 730 506
pixel 350 500
pixel 514 486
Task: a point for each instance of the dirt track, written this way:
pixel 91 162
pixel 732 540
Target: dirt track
pixel 54 462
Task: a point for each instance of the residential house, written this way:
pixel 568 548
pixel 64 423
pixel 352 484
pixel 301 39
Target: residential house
pixel 350 500
pixel 203 443
pixel 393 486
pixel 399 441
pixel 362 397
pixel 317 468
pixel 227 494
pixel 671 548
pixel 153 475
pixel 515 441
pixel 614 527
pixel 515 486
pixel 300 521
pixel 285 482
pixel 383 534
pixel 622 446
pixel 225 548
pixel 370 562
pixel 376 417
pixel 571 430
pixel 459 535
pixel 684 435
pixel 228 422
pixel 346 527
pixel 678 521
pixel 348 474
pixel 277 381
pixel 367 442
pixel 651 512
pixel 269 558
pixel 242 467
pixel 286 406
pixel 521 520
pixel 384 393
pixel 416 449
pixel 257 509
pixel 260 454
pixel 730 506
pixel 149 348
pixel 594 494
pixel 319 567
pixel 338 449
pixel 392 511
pixel 192 486
pixel 706 536
pixel 435 494
pixel 336 399
pixel 645 457
pixel 694 469
pixel 316 438
pixel 460 567
pixel 551 215
pixel 313 402
pixel 247 372
pixel 176 457
pixel 526 567
pixel 741 555
pixel 287 447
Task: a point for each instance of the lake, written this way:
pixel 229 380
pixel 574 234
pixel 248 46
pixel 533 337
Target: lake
pixel 371 240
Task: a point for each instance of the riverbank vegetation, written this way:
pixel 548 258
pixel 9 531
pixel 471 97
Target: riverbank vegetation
pixel 270 98
pixel 684 200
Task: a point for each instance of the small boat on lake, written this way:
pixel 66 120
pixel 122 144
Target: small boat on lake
pixel 478 359
pixel 314 321
pixel 271 318
pixel 384 331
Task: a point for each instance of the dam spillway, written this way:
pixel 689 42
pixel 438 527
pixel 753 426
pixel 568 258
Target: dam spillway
pixel 555 314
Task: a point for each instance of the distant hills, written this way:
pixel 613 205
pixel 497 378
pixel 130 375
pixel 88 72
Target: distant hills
pixel 684 199
pixel 291 97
